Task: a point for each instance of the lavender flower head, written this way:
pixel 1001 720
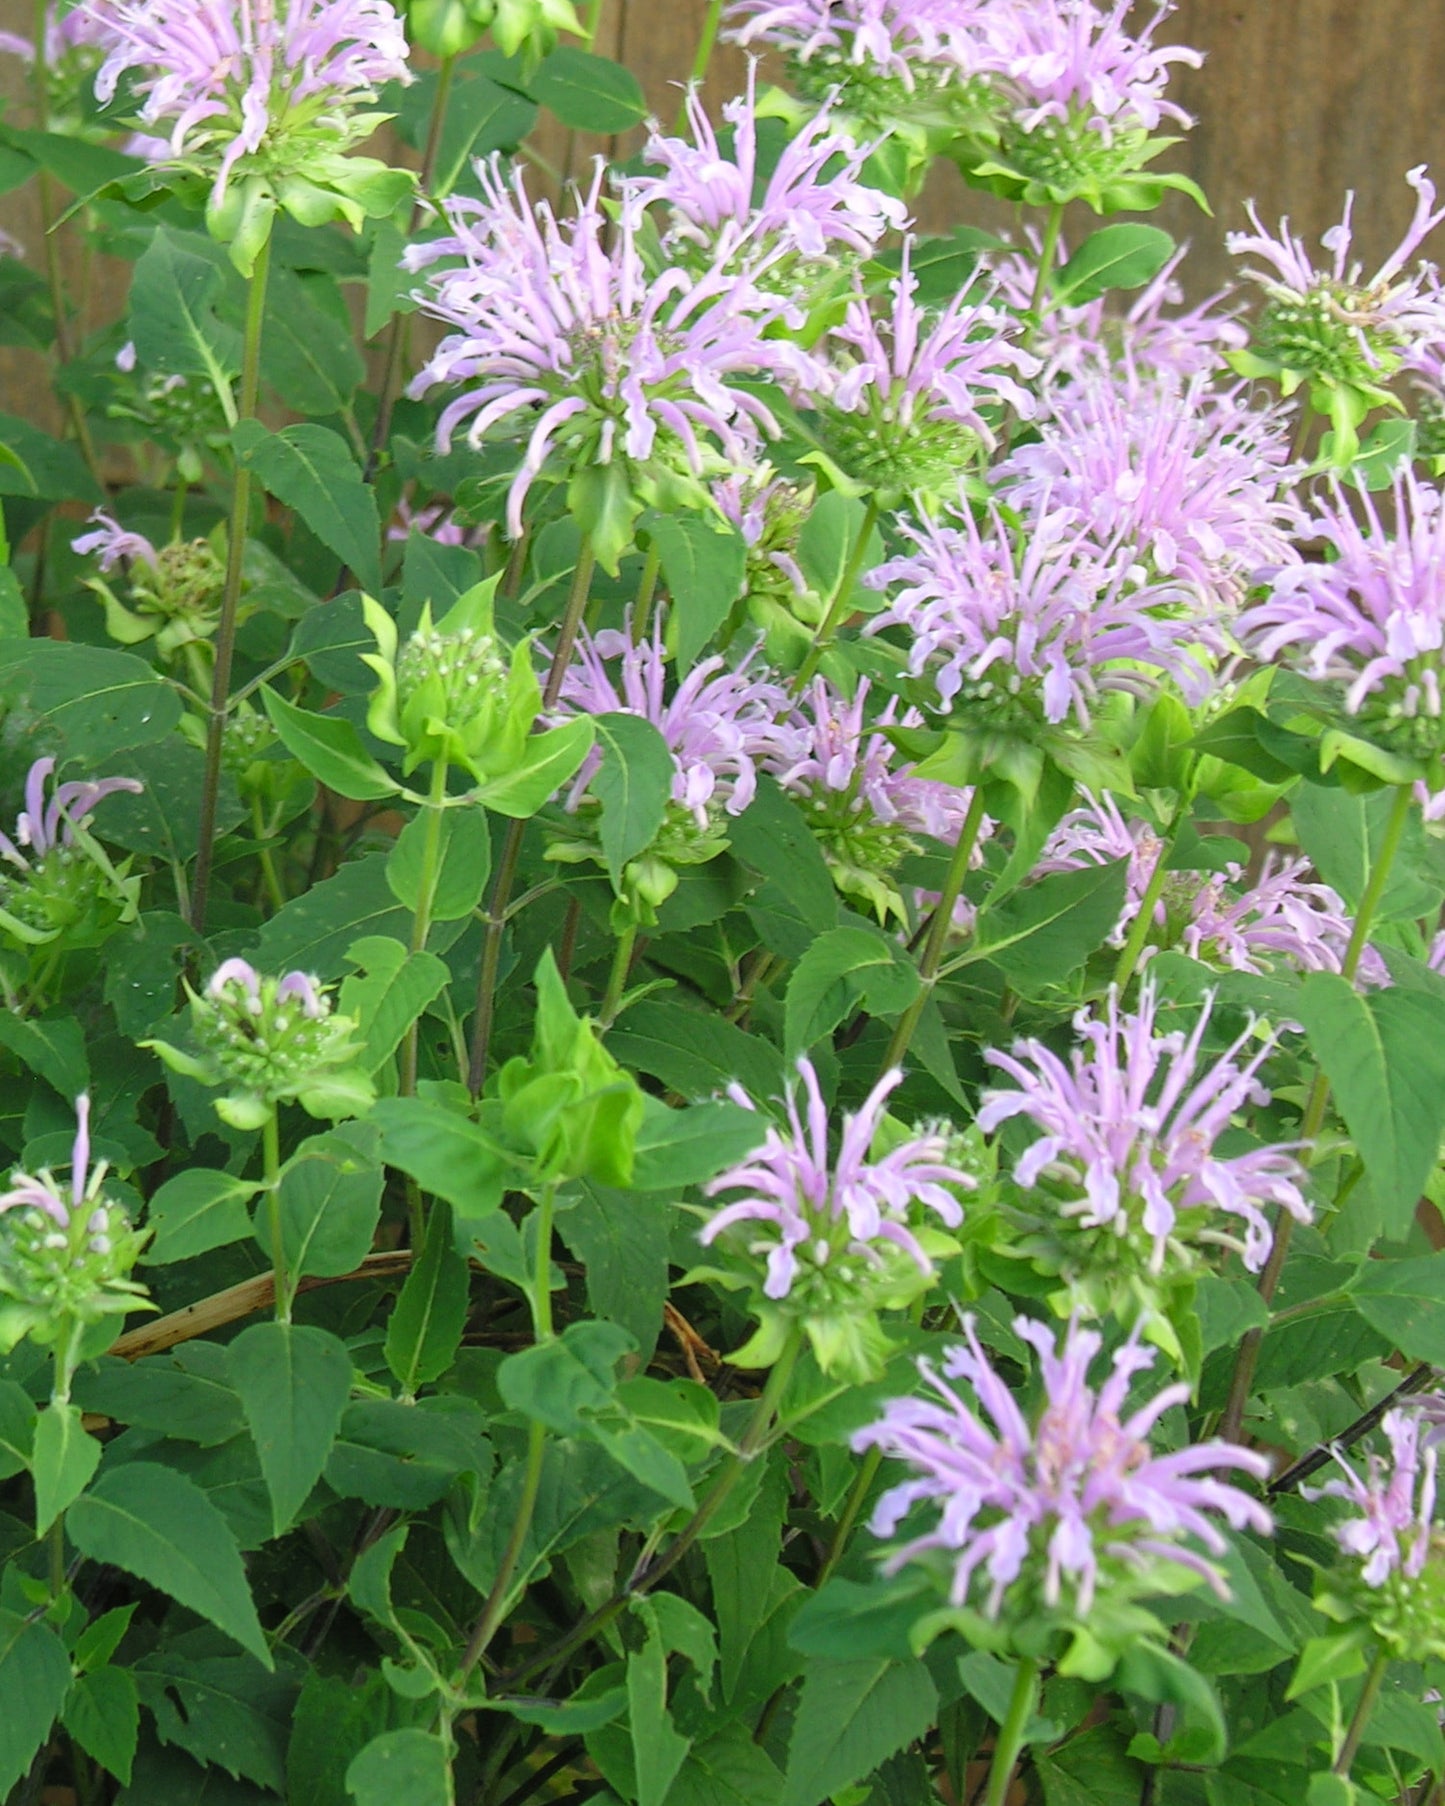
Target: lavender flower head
pixel 904 414
pixel 1054 1512
pixel 817 220
pixel 1074 63
pixel 883 59
pixel 836 1238
pixel 620 377
pixel 54 824
pixel 1196 484
pixel 1156 335
pixel 113 544
pixel 719 724
pixel 865 806
pixel 1127 1136
pixel 1395 1578
pixel 1372 618
pixel 1038 635
pixel 1342 332
pixel 1282 915
pixel 58 887
pixel 65 1251
pixel 1392 1533
pixel 260 92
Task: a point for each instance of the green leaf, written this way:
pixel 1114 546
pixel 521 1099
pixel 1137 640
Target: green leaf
pixel 1122 256
pixel 621 1238
pixel 330 748
pixel 95 700
pixel 388 993
pixel 851 1717
pixel 314 931
pixel 329 1202
pixel 703 560
pixel 1090 1770
pixel 589 93
pixel 1043 932
pixel 331 640
pixel 445 1152
pixel 17 1429
pixel 162 821
pixel 552 759
pixel 51 1046
pixel 828 545
pixel 773 837
pixel 1342 835
pixel 843 970
pixel 313 367
pixel 465 863
pixel 34 1680
pixel 102 1714
pixel 333 1722
pixel 293 1381
pixel 430 1314
pixel 404 1457
pixel 481 117
pixel 1384 1055
pixel 196 1211
pixel 402 1768
pixel 1163 1679
pixel 174 323
pixel 63 1462
pixel 225 1710
pixel 310 469
pixel 38 466
pixel 568 1385
pixel 677 1148
pixel 1405 1301
pixel 657 1748
pixel 159 1525
pixel 184 1394
pixel 697 1055
pixel 633 784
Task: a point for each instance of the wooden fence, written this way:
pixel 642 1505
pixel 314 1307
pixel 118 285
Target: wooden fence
pixel 1298 101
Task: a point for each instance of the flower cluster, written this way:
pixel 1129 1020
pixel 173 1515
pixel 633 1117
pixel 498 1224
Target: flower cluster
pixel 1053 1512
pixel 835 1239
pixel 1371 618
pixel 270 1041
pixel 1035 634
pixel 1340 332
pixel 263 98
pixel 626 380
pixel 1283 914
pixel 907 409
pixel 864 805
pixel 1393 1546
pixel 174 591
pixel 65 1251
pixel 1194 484
pixel 1126 1145
pixel 811 213
pixel 57 885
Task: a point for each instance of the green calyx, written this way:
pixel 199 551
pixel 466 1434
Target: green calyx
pixel 569 1104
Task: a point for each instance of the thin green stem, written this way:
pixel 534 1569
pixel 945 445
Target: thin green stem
pixel 512 847
pixel 646 590
pixel 703 57
pixel 839 602
pixel 1359 1723
pixel 225 641
pixel 1011 1732
pixel 866 1475
pixel 1039 305
pixel 938 931
pixel 431 863
pixel 1232 1417
pixel 541 1302
pixel 1139 930
pixel 271 1172
pixel 270 878
pixel 617 978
